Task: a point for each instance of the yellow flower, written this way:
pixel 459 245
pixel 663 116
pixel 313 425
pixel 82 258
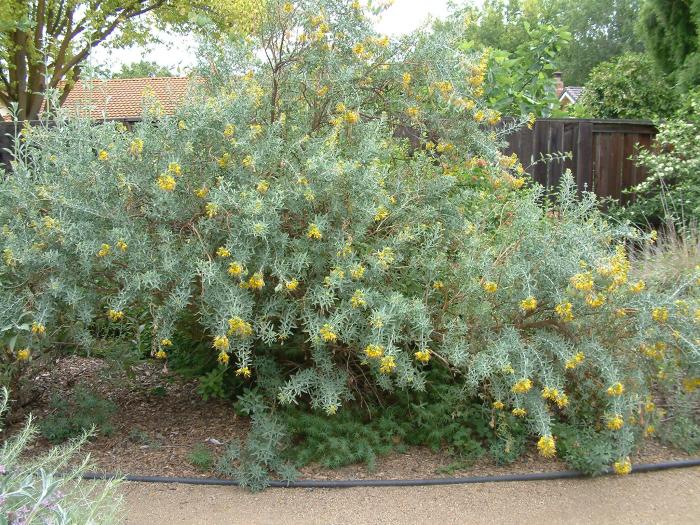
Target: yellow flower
pixel 374 351
pixel 479 116
pixel 574 361
pixel 161 354
pixel 136 147
pixel 616 422
pixel 221 343
pixel 288 7
pixel 620 312
pixel 650 430
pixel 314 232
pixel 616 389
pixel 498 405
pixel 637 287
pixel 292 285
pixel 327 334
pixel 256 281
pixel 519 412
pixel 223 252
pixel 224 160
pixel 243 371
pixel 413 112
pixel 565 312
pixel 547 446
pixel 122 245
pixel 438 285
pixel 115 315
pixel 103 155
pixel 223 358
pixel 239 327
pixel 255 130
pixel 387 364
pixel 550 393
pixel 166 182
pixel 322 91
pixel 201 192
pixel 583 281
pixel 622 466
pixel 357 272
pixel 489 287
pixel 211 209
pixel 522 386
pixel 595 300
pixel 659 314
pixel 263 186
pixel 562 400
pixel 406 80
pixel 358 49
pixel 351 117
pixel 38 328
pixel 166 342
pixel 382 213
pixel 235 269
pixel 358 299
pixel 104 250
pixel 422 355
pixel 181 124
pixel 529 304
pixel 24 354
pixel 229 130
pixel 175 169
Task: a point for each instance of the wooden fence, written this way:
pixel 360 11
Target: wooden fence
pixel 601 152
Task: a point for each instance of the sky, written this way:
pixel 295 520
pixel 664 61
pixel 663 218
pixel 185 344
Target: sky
pixel 177 53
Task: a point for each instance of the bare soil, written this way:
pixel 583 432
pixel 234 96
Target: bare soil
pixel 160 418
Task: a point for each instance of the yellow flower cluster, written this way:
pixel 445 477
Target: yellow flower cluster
pixel 166 182
pixel 565 311
pixel 175 169
pixel 244 371
pixel 574 361
pixel 528 305
pixel 519 412
pixel 374 351
pixel 547 446
pixel 616 422
pixel 256 281
pixel 221 343
pixel 522 386
pixel 104 250
pixel 498 405
pixel 387 364
pixel 103 155
pixel 489 286
pixel 136 147
pixel 239 327
pixel 422 355
pixel 291 285
pixel 357 272
pixel 583 281
pixel 161 354
pixel 617 389
pixel 660 314
pixel 235 269
pixel 122 245
pixel 24 354
pixel 262 186
pixel 385 257
pixel 223 358
pixel 638 287
pixel 327 334
pixel 382 213
pixel 314 232
pixel 38 328
pixel 622 466
pixel 229 130
pixel 165 342
pixel 358 299
pixel 438 285
pixel 115 315
pixel 595 300
pixel 223 252
pixel 553 394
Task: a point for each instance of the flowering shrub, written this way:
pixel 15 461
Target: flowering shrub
pixel 45 490
pixel 280 216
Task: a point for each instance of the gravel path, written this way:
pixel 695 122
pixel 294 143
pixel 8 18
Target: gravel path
pixel 659 497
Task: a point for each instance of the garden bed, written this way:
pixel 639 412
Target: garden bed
pixel 160 419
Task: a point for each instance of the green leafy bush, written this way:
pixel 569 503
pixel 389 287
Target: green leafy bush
pixel 630 87
pixel 72 416
pixel 671 192
pixel 46 489
pixel 280 217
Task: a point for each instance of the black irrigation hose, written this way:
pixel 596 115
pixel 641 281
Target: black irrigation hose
pixel 341 483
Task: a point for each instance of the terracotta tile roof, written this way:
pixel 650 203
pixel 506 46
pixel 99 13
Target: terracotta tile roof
pixel 124 98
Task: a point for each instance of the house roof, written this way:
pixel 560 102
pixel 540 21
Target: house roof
pixel 571 92
pixel 124 98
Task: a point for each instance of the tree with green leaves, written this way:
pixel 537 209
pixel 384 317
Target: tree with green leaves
pixel 143 68
pixel 44 43
pixel 600 29
pixel 629 86
pixel 671 30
